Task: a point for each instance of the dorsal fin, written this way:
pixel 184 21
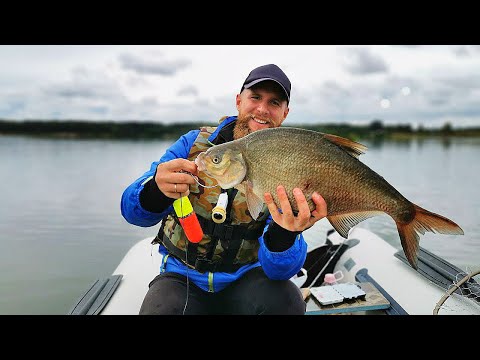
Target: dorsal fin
pixel 353 148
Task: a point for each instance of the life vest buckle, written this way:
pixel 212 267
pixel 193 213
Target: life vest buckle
pixel 202 265
pixel 223 231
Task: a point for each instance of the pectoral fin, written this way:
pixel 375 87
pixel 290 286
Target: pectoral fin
pixel 344 222
pixel 254 203
pixel 242 187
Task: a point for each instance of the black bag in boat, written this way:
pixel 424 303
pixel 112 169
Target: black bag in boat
pixel 316 260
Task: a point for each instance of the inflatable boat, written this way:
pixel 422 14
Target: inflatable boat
pixel 386 282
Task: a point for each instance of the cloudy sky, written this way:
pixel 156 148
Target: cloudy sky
pixel 428 84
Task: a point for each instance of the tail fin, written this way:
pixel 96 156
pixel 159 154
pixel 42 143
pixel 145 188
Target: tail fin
pixel 423 221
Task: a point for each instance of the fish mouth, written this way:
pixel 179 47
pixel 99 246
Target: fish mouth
pixel 200 162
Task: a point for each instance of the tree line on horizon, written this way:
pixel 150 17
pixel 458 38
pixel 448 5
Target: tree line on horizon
pixel 151 130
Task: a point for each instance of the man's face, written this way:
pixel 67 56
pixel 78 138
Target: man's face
pixel 260 107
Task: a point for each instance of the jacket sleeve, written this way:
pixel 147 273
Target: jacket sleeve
pixel 281 265
pixel 130 205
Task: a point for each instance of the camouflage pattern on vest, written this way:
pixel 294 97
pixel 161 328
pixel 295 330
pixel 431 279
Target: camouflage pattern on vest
pixel 204 200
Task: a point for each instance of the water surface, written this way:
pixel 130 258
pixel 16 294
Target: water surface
pixel 61 227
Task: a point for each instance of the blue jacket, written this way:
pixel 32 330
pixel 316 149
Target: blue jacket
pixel 276 265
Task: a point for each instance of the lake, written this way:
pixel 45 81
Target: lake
pixel 61 226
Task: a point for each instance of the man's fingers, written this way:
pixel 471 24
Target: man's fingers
pixel 179 188
pixel 283 215
pixel 182 178
pixel 272 207
pixel 284 202
pixel 175 191
pixel 174 177
pixel 177 165
pixel 321 206
pixel 302 204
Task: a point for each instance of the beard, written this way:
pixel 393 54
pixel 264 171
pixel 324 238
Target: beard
pixel 241 126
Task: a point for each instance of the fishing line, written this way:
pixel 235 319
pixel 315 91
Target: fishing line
pixel 186 247
pixel 186 261
pixel 328 262
pixel 197 181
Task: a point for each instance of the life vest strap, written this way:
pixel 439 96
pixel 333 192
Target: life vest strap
pixel 231 237
pixel 199 263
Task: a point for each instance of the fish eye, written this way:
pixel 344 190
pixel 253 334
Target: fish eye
pixel 216 160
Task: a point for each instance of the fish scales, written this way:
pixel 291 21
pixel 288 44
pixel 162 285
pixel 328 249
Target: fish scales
pixel 305 159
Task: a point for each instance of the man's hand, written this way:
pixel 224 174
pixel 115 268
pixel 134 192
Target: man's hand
pixel 171 181
pixel 304 218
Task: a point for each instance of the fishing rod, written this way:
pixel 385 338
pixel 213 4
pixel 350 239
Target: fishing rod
pixel 326 264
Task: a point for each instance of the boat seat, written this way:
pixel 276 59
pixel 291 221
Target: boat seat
pixel 394 308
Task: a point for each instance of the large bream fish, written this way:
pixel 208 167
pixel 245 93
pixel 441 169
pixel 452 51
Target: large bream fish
pixel 327 164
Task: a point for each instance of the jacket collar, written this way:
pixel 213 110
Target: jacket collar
pixel 224 131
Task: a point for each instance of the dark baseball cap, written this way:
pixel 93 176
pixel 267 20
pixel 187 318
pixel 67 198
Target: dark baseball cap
pixel 268 72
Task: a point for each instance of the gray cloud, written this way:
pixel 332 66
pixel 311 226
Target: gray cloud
pixel 462 82
pixel 391 86
pixel 86 84
pixel 71 91
pixel 431 101
pixel 188 90
pixel 461 51
pixel 332 90
pixel 93 90
pixel 362 61
pixel 443 84
pixel 149 101
pixel 466 50
pixel 439 97
pixel 86 95
pixel 409 46
pixel 157 67
pixel 98 110
pixel 11 104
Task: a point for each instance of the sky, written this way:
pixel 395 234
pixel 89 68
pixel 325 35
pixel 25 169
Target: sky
pixel 427 85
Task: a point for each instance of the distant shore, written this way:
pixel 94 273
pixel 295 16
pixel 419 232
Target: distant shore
pixel 148 130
